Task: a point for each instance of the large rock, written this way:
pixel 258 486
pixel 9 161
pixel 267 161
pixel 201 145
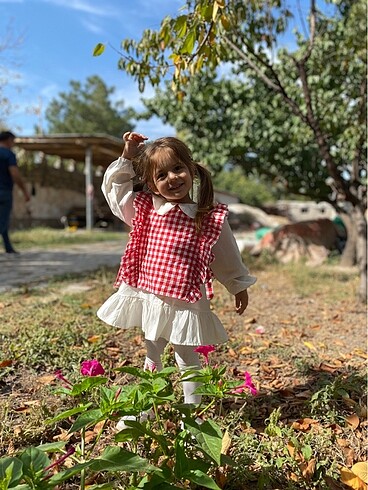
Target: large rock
pixel 312 240
pixel 242 216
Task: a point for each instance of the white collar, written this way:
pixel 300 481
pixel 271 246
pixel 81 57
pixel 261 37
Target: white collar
pixel 162 206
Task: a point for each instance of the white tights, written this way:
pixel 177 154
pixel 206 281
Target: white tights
pixel 185 358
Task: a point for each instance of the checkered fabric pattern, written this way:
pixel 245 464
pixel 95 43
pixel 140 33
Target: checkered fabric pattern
pixel 165 254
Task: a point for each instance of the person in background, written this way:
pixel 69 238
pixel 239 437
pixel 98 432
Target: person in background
pixel 9 174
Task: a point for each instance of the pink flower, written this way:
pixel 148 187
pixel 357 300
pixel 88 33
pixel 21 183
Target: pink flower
pixel 59 375
pixel 247 385
pixel 205 350
pixel 91 368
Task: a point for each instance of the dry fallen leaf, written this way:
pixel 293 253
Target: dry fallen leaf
pixel 304 424
pixel 349 455
pixel 46 379
pixel 226 443
pixel 63 436
pixel 307 469
pixel 351 480
pixel 220 477
pixel 360 469
pixel 353 421
pixel 310 345
pixel 232 353
pixel 6 363
pixel 360 353
pixel 94 338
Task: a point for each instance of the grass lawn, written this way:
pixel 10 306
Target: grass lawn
pixel 305 429
pixel 42 237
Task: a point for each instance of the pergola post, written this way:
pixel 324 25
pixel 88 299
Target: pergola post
pixel 89 188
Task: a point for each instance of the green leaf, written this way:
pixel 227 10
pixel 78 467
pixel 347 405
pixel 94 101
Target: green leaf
pixel 34 461
pixel 189 42
pixel 68 413
pixel 135 430
pixel 67 474
pixel 139 373
pixel 87 384
pixel 209 437
pixel 180 26
pixel 118 459
pixel 209 390
pixel 52 447
pixel 156 482
pixel 200 478
pixel 10 472
pixel 87 418
pixel 307 452
pixel 99 49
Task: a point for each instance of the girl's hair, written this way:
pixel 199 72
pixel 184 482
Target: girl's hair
pixel 168 149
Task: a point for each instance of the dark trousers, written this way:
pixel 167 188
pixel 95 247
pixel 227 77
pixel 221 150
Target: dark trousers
pixel 6 204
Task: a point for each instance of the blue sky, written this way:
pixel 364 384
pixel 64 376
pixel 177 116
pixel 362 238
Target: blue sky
pixel 58 41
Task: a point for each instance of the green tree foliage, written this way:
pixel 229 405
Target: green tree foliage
pixel 249 190
pixel 88 109
pixel 242 123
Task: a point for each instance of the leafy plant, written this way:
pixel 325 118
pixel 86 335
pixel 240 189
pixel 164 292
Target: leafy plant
pixel 174 447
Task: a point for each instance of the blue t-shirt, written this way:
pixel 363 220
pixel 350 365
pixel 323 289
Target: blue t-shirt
pixel 7 159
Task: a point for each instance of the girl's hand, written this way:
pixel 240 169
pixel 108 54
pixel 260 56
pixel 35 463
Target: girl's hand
pixel 133 143
pixel 241 301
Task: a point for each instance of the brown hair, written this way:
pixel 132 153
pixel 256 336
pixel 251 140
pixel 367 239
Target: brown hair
pixel 168 149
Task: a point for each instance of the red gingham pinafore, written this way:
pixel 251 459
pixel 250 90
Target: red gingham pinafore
pixel 166 256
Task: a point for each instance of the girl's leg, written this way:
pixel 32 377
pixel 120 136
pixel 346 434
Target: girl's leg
pixel 185 358
pixel 153 361
pixel 155 349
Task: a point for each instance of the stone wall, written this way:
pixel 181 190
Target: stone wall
pixel 55 192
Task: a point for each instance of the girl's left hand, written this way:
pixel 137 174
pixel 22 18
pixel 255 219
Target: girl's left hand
pixel 241 301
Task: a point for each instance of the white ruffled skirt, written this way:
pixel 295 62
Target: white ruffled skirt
pixel 177 321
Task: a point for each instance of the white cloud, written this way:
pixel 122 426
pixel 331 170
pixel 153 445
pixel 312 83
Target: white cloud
pixel 92 27
pixel 50 91
pixel 85 6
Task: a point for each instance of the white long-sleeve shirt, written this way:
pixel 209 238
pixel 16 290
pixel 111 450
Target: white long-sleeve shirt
pixel 227 267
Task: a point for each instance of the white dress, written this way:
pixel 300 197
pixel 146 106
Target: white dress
pixel 177 321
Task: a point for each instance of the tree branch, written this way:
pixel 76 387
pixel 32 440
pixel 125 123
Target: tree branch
pixel 362 110
pixel 203 42
pixel 276 87
pixel 341 185
pixel 312 31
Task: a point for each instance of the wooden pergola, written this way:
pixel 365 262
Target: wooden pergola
pixel 93 149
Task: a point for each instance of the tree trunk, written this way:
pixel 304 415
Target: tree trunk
pixel 361 251
pixel 348 258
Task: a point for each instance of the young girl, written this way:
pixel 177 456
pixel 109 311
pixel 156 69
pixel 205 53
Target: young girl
pixel 176 247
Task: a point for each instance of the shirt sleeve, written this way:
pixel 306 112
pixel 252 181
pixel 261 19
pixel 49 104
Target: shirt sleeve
pixel 117 187
pixel 228 266
pixel 12 160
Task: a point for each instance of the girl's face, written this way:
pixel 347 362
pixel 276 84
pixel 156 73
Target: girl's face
pixel 173 181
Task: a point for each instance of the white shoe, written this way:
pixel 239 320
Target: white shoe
pixel 121 425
